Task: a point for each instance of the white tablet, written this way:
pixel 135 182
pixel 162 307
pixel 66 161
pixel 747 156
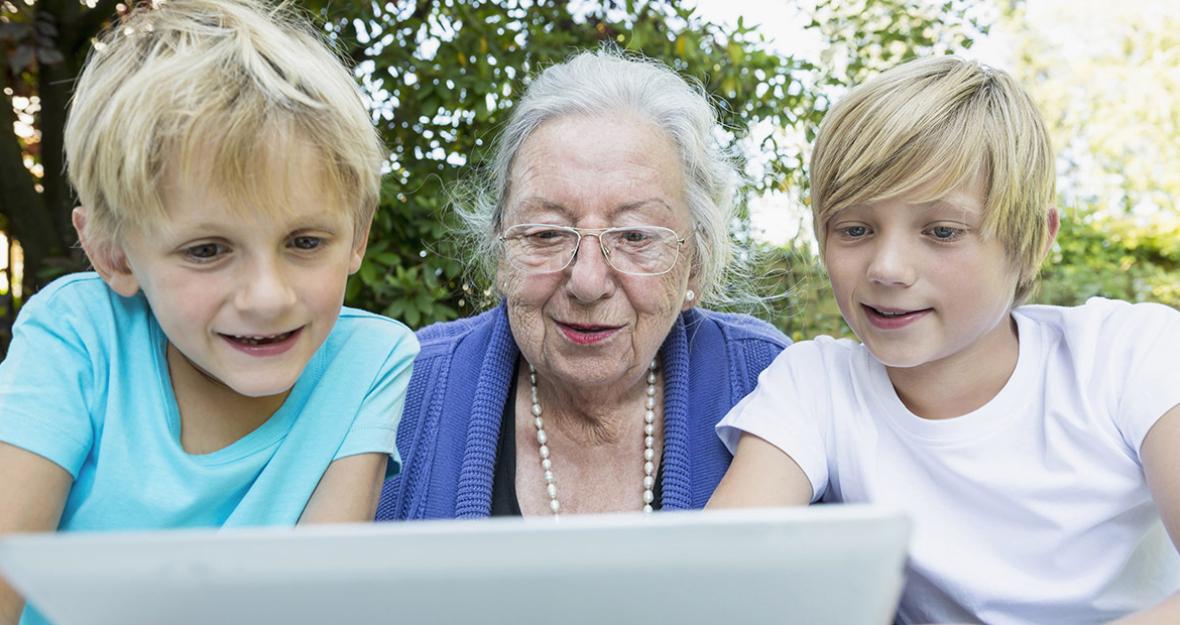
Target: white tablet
pixel 824 564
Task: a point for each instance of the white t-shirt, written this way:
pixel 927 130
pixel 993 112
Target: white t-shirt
pixel 1031 509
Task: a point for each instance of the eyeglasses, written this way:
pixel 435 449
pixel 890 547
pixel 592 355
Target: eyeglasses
pixel 544 248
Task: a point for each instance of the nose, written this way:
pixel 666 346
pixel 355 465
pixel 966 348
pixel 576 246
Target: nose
pixel 264 290
pixel 892 263
pixel 590 276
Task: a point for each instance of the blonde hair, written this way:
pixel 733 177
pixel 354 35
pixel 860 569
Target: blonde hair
pixel 928 127
pixel 226 88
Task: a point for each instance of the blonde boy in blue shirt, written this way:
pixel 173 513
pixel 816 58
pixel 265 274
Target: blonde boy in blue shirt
pixel 207 375
pixel 1034 447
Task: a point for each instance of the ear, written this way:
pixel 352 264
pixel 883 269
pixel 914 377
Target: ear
pixel 358 250
pixel 107 258
pixel 1054 223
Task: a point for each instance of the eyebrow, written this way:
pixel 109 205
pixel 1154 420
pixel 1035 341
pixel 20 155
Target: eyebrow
pixel 557 207
pixel 211 228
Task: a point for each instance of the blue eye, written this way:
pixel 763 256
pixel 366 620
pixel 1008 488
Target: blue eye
pixel 945 233
pixel 204 251
pixel 853 232
pixel 306 243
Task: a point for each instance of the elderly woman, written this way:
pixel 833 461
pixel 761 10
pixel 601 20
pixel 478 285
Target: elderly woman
pixel 595 385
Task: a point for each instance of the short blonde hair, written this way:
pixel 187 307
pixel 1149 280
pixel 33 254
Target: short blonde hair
pixel 933 125
pixel 223 87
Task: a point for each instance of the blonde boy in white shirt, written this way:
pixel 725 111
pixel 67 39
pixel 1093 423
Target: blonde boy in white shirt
pixel 1034 447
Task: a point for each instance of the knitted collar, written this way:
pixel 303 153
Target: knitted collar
pixel 474 490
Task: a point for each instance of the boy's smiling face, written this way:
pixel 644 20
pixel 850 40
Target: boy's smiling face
pixel 245 298
pixel 919 284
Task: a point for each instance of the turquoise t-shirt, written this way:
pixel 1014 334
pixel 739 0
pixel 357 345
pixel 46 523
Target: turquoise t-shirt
pixel 85 384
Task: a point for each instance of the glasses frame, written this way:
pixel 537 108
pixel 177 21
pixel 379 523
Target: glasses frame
pixel 598 234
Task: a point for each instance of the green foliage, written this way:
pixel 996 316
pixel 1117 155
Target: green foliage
pixel 442 77
pixel 1113 105
pixel 809 310
pixel 869 36
pixel 1097 255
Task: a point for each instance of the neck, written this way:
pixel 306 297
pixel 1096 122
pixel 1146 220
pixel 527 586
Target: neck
pixel 593 454
pixel 212 415
pixel 963 383
pixel 591 416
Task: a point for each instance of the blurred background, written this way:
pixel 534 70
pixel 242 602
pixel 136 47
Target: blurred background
pixel 441 76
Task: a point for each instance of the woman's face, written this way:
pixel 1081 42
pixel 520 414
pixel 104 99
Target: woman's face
pixel 588 325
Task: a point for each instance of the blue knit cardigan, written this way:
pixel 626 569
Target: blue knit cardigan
pixel 449 433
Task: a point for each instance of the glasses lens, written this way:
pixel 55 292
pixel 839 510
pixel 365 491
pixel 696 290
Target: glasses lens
pixel 539 248
pixel 645 250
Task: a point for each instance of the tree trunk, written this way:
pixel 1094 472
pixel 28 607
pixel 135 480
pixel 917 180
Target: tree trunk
pixel 28 220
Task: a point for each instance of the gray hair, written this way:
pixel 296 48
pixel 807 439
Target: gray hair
pixel 608 81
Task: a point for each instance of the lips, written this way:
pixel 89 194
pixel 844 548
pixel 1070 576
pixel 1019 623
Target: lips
pixel 892 318
pixel 585 334
pixel 263 344
pixel 260 340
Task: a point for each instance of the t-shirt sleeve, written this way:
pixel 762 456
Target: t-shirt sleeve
pixel 374 430
pixel 788 409
pixel 1142 345
pixel 47 380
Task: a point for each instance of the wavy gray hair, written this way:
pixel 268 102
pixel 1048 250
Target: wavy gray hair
pixel 609 81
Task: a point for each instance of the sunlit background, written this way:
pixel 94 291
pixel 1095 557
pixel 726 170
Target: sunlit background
pixel 1105 74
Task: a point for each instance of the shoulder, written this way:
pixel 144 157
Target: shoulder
pixel 462 344
pixel 87 283
pixel 822 355
pixel 372 324
pixel 1104 320
pixel 362 334
pixel 453 331
pixel 76 290
pixel 446 337
pixel 80 307
pixel 734 327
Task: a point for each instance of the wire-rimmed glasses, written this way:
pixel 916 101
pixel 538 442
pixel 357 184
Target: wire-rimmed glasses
pixel 637 250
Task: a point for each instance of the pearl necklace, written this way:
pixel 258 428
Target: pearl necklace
pixel 649 441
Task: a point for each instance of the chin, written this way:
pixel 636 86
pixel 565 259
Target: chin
pixel 262 388
pixel 897 361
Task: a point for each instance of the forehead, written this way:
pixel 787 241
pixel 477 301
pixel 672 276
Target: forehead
pixel 943 192
pixel 596 170
pixel 285 182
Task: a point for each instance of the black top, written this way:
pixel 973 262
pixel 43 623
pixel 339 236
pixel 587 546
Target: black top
pixel 504 501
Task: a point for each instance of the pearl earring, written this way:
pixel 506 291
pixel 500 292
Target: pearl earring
pixel 689 296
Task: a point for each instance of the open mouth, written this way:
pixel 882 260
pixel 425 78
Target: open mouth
pixel 892 318
pixel 254 341
pixel 890 315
